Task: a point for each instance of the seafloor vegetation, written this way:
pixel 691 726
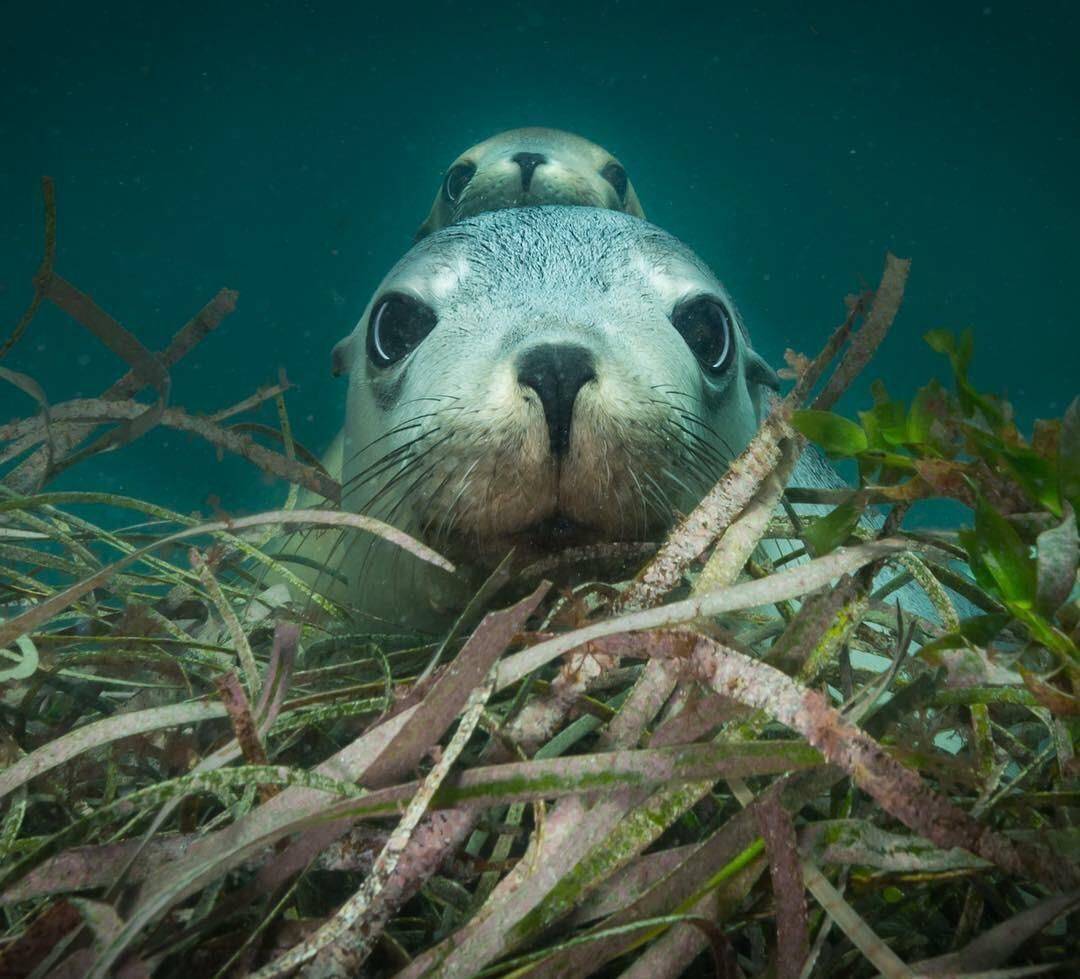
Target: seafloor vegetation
pixel 721 765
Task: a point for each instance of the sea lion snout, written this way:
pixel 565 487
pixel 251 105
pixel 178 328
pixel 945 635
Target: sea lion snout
pixel 528 162
pixel 557 372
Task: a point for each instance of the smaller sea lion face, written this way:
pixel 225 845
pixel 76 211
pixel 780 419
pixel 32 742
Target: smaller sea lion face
pixel 542 377
pixel 528 167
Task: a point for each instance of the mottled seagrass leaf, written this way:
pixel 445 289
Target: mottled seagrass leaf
pixel 1069 455
pixel 103 732
pixel 922 414
pixel 1054 699
pixel 890 420
pixel 996 546
pixel 442 704
pixel 834 433
pixel 792 930
pixel 825 534
pixel 978 630
pixel 994 947
pixel 1057 553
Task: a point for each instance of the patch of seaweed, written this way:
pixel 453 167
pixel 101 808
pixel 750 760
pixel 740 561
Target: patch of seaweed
pixel 758 769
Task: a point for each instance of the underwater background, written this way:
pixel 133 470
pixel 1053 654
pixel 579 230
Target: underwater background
pixel 290 150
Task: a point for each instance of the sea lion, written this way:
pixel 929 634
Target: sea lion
pixel 535 378
pixel 528 167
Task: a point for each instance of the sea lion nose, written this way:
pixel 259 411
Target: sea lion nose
pixel 528 163
pixel 556 372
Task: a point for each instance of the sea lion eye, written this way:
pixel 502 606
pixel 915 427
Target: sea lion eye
pixel 615 175
pixel 457 178
pixel 397 325
pixel 706 325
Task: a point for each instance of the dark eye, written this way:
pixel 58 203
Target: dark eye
pixel 706 325
pixel 397 325
pixel 457 178
pixel 615 175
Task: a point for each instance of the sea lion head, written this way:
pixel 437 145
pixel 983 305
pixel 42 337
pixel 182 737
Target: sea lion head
pixel 540 377
pixel 528 167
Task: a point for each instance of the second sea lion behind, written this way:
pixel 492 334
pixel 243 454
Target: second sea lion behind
pixel 529 167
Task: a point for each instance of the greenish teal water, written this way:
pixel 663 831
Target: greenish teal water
pixel 289 151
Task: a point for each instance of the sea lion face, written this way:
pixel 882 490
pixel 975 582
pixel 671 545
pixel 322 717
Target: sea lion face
pixel 542 377
pixel 528 167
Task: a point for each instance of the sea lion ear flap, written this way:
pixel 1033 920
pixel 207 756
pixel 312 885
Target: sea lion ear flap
pixel 631 204
pixel 760 373
pixel 759 377
pixel 341 357
pixel 423 231
pixel 436 219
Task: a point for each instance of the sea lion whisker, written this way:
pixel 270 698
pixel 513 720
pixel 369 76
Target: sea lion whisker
pixel 694 417
pixel 452 514
pixel 672 392
pixel 401 475
pixel 404 455
pixel 661 498
pixel 642 499
pixel 663 509
pixel 677 481
pixel 388 469
pixel 701 444
pixel 381 503
pixel 438 515
pixel 428 397
pixel 710 430
pixel 450 517
pixel 408 495
pixel 655 496
pixel 642 464
pixel 388 516
pixel 405 426
pixel 443 532
pixel 701 423
pixel 386 461
pixel 705 460
pixel 412 423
